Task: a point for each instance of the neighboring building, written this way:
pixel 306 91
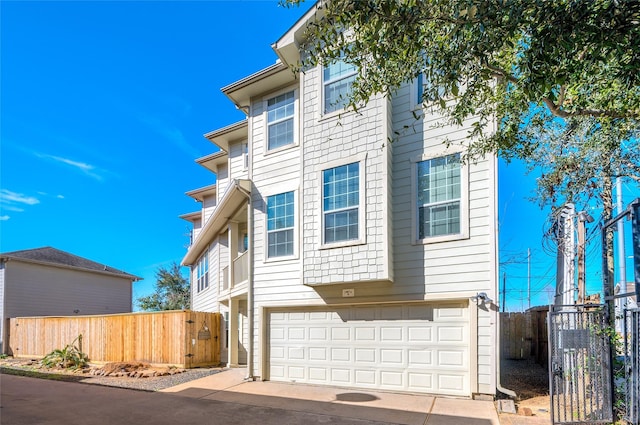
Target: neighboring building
pixel 337 257
pixel 49 282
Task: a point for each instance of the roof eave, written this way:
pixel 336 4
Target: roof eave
pixel 235 195
pixel 122 275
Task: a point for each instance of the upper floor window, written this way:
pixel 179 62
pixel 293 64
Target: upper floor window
pixel 423 91
pixel 337 79
pixel 341 203
pixel 202 272
pixel 280 112
pixel 439 193
pixel 280 225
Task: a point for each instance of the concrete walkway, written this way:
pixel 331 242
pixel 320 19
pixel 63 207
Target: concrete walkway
pixel 230 386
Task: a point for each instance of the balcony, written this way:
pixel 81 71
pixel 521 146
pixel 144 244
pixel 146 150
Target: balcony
pixel 241 268
pixel 238 282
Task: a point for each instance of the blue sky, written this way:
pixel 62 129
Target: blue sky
pixel 103 108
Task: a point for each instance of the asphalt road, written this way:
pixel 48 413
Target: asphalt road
pixel 33 401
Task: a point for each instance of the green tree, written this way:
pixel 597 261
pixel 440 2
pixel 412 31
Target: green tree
pixel 560 79
pixel 172 291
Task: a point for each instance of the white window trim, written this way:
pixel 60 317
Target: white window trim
pixel 200 290
pixel 337 112
pixel 283 188
pixel 362 228
pixel 296 115
pixel 464 200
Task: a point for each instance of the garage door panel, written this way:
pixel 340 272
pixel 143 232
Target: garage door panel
pixel 318 354
pixel 393 334
pixel 420 334
pixel 318 334
pixel 420 357
pixel 422 348
pixel 365 355
pixel 451 334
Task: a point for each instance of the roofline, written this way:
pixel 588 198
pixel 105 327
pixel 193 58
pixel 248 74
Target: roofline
pixel 191 216
pixel 211 156
pixel 225 130
pixel 253 78
pixel 132 278
pixel 193 192
pixel 240 186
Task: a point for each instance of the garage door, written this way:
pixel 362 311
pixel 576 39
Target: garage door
pixel 416 347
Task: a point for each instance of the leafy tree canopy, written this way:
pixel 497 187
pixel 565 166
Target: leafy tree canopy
pixel 172 291
pixel 555 83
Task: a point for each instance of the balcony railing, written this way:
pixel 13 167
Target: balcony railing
pixel 241 268
pixel 240 272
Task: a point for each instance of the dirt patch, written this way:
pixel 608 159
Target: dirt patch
pixel 115 369
pixel 134 370
pixel 530 382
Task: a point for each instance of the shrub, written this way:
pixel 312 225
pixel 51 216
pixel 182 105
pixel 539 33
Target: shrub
pixel 69 357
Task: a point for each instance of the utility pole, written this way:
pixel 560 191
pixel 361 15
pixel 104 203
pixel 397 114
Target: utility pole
pixel 504 290
pixel 529 277
pixel 583 217
pixel 622 267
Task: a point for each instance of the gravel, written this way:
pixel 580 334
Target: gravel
pixel 155 383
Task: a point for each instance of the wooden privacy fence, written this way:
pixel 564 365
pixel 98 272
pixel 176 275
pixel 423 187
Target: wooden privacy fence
pixel 524 335
pixel 183 338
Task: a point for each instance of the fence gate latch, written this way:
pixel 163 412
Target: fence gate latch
pixel 190 321
pixel 189 355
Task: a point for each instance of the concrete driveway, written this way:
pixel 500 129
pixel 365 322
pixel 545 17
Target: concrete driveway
pixel 226 400
pixel 370 406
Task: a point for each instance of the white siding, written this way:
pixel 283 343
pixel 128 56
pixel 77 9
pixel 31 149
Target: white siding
pixel 338 140
pixel 222 180
pixel 388 265
pixel 207 299
pixel 208 205
pixel 236 160
pixel 445 268
pixel 38 290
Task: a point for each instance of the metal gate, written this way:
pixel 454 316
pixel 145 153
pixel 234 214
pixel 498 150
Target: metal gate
pixel 579 366
pixel 632 366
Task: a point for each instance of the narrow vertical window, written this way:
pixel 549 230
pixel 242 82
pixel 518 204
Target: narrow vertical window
pixel 280 224
pixel 245 156
pixel 341 202
pixel 280 112
pixel 337 79
pixel 439 196
pixel 202 272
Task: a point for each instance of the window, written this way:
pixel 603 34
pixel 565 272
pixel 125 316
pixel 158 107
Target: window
pixel 280 110
pixel 439 196
pixel 245 156
pixel 202 272
pixel 337 79
pixel 280 224
pixel 340 202
pixel 423 86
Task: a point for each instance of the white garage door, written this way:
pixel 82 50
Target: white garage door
pixel 417 347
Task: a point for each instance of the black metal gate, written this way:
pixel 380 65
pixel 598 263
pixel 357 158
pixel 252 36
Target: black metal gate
pixel 632 366
pixel 579 366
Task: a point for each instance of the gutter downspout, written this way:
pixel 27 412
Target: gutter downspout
pixel 496 260
pixel 250 367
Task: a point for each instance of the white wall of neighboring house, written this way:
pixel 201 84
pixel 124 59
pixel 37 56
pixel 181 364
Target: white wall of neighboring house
pixel 31 289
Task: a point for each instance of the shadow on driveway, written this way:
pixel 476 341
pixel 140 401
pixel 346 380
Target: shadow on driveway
pixel 30 401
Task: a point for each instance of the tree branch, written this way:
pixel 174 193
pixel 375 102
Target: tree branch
pixel 559 112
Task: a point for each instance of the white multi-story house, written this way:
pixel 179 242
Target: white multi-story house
pixel 339 258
